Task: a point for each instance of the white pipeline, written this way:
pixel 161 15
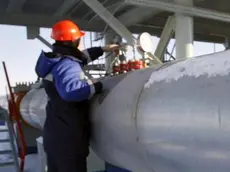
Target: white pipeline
pixel 175 118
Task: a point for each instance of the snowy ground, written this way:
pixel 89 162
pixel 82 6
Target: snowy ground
pixel 31 162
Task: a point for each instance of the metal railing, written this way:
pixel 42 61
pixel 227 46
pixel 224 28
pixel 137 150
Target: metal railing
pixel 14 115
pixel 12 139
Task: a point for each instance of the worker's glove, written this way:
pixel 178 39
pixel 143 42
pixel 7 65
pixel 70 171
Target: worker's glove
pixel 98 87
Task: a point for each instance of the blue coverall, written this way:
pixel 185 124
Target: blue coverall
pixel 67 128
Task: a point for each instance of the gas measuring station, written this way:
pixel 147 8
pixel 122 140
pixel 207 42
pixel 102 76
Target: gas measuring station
pixel 114 21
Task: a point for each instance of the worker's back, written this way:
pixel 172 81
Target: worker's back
pixel 67 123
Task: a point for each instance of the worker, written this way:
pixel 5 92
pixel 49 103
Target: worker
pixel 67 128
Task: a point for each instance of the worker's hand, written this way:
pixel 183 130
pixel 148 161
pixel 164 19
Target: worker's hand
pixel 110 47
pixel 103 95
pixel 98 87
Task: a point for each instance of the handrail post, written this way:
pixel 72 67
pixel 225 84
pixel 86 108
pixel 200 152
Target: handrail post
pixel 16 114
pixel 12 138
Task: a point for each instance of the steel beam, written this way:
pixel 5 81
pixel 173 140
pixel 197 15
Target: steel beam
pixel 182 9
pixel 128 19
pixel 184 36
pixel 184 32
pixel 202 32
pixel 226 43
pixel 165 37
pixel 15 5
pixel 66 5
pixel 32 32
pixel 137 15
pixel 112 21
pixel 40 38
pixel 108 40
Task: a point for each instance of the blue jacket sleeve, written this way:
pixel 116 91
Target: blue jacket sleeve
pixel 69 84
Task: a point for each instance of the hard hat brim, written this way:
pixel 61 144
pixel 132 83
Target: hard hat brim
pixel 82 34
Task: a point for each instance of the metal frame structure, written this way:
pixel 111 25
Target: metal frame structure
pixel 12 140
pixel 15 115
pixel 44 41
pixel 15 6
pixel 182 9
pixel 128 20
pixel 111 20
pixel 184 32
pixel 66 5
pixel 165 37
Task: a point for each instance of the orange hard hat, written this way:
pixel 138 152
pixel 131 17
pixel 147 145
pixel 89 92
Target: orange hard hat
pixel 66 30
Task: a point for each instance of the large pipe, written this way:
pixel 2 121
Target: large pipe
pixel 172 118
